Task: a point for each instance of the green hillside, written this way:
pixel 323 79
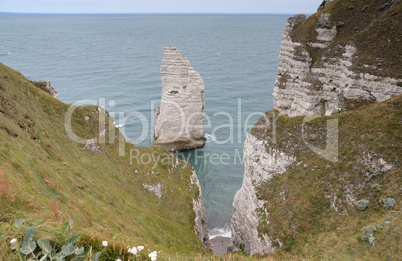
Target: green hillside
pixel 343 210
pixel 48 180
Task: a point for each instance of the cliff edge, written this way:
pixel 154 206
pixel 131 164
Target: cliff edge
pixel 347 51
pixel 315 186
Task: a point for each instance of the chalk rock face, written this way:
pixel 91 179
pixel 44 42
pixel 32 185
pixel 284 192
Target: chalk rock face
pixel 179 119
pixel 304 88
pixel 317 76
pixel 260 166
pixel 47 87
pixel 154 189
pixel 200 227
pixel 51 90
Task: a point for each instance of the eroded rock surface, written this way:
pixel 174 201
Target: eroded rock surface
pixel 303 87
pixel 179 119
pixel 154 189
pixel 51 90
pixel 260 166
pixel 200 228
pixel 47 87
pixel 317 76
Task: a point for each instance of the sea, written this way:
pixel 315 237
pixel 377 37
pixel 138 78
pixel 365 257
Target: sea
pixel 114 61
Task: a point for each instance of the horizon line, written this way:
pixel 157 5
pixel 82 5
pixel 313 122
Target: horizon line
pixel 211 13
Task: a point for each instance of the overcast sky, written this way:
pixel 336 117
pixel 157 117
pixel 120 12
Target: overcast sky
pixel 160 6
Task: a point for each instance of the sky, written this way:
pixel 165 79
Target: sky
pixel 161 6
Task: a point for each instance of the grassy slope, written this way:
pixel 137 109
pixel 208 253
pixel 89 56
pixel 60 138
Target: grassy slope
pixel 366 26
pixel 304 221
pixel 46 176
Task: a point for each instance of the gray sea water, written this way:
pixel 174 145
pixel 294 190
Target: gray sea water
pixel 118 57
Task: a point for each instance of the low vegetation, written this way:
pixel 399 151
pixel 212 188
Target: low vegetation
pixel 48 180
pixel 318 208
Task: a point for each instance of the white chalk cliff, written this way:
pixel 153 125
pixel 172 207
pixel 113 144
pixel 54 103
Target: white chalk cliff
pixel 260 166
pixel 303 87
pixel 179 119
pixel 200 227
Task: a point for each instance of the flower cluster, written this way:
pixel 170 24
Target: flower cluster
pixel 135 250
pixel 153 255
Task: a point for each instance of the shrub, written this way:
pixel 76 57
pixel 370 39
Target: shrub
pixel 362 204
pixel 376 187
pixel 387 203
pixel 368 233
pixel 384 222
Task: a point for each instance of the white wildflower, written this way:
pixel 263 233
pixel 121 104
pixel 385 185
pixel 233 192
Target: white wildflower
pixel 140 248
pixel 153 255
pixel 104 243
pixel 14 244
pixel 118 259
pixel 134 250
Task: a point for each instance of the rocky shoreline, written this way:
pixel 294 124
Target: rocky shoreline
pixel 219 245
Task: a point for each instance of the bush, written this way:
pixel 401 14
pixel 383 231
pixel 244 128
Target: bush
pixel 368 233
pixel 376 187
pixel 387 203
pixel 362 204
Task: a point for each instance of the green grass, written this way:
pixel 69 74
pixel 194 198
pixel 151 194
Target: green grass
pixel 46 176
pixel 305 221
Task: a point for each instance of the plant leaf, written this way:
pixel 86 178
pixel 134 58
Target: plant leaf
pixel 67 249
pixel 38 254
pixel 58 256
pixel 37 222
pixel 28 248
pixel 72 239
pixel 65 228
pixel 19 222
pixel 29 235
pixel 32 246
pixel 44 257
pixel 25 250
pixel 96 256
pixel 79 251
pixel 44 244
pixel 78 258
